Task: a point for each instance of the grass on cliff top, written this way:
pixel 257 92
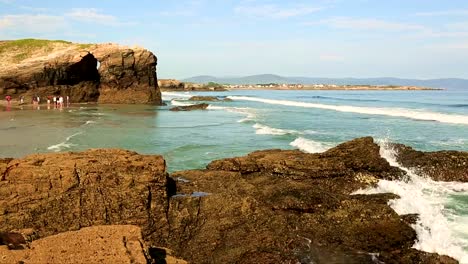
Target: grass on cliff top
pixel 23 48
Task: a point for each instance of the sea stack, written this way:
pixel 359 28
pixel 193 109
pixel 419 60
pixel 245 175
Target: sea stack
pixel 104 73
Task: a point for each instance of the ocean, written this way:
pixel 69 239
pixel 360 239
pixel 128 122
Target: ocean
pixel 312 121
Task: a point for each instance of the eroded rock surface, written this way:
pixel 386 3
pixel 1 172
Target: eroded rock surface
pixel 285 206
pixel 97 244
pixel 105 73
pixel 54 193
pixel 439 165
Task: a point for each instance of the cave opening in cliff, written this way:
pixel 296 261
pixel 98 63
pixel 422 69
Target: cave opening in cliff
pixel 84 70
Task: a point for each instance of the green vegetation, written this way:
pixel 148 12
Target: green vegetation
pixel 22 49
pixel 84 46
pixel 27 45
pixel 213 84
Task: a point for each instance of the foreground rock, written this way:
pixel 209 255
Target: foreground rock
pixel 273 206
pixel 291 207
pixel 104 73
pixel 54 193
pixel 190 107
pixel 98 244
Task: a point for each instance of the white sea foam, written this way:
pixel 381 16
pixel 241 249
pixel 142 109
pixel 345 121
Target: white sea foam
pixel 437 227
pixel 249 112
pixel 395 112
pixel 65 144
pixel 171 95
pixel 309 146
pixel 266 130
pixel 89 122
pixel 179 103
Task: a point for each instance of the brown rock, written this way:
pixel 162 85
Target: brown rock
pixel 439 165
pixel 190 107
pixel 98 244
pixel 273 206
pixel 54 193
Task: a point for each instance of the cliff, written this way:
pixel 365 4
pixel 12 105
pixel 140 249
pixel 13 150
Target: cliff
pixel 104 73
pixel 271 206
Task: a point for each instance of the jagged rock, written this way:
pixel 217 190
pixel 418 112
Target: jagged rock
pixel 439 165
pixel 190 107
pixel 280 206
pixel 98 244
pixel 107 73
pixel 54 193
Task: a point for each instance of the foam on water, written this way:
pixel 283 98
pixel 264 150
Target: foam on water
pixel 266 130
pixel 178 103
pixel 437 227
pixel 309 146
pixel 65 144
pixel 171 95
pixel 89 122
pixel 394 112
pixel 249 112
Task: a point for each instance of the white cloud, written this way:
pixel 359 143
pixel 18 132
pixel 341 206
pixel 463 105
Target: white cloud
pixel 92 15
pixel 274 11
pixel 461 12
pixel 31 23
pixel 367 24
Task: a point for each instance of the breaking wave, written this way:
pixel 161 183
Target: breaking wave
pixel 439 229
pixel 266 130
pixel 394 112
pixel 309 146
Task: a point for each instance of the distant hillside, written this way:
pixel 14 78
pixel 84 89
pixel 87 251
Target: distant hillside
pixel 448 83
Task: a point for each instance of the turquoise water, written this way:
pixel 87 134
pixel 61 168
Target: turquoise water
pixel 312 121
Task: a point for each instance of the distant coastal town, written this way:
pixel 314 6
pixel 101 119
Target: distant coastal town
pixel 176 85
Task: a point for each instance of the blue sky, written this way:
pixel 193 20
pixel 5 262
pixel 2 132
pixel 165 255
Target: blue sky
pixel 315 38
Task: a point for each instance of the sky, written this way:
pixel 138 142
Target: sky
pixel 421 39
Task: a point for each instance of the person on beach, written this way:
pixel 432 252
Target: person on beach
pixel 21 99
pixel 68 100
pixel 8 99
pixel 55 101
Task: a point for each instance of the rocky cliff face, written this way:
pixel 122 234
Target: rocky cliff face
pixel 105 73
pixel 273 206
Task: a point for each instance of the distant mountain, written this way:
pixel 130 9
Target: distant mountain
pixel 448 83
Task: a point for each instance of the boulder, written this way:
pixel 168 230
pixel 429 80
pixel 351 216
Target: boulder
pixel 54 193
pixel 190 107
pixel 97 244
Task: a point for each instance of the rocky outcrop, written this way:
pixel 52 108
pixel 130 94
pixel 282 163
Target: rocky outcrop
pixel 272 206
pixel 281 206
pixel 54 193
pixel 440 165
pixel 98 244
pixel 202 106
pixel 104 73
